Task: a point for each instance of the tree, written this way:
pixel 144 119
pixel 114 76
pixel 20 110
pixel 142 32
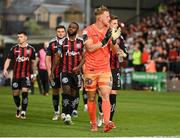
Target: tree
pixel 32 27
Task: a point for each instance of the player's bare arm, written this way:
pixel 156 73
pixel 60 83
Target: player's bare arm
pixel 56 62
pixel 78 68
pixel 91 47
pixel 34 69
pixel 6 65
pixel 48 64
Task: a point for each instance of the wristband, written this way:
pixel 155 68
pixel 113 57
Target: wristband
pixel 103 42
pixel 113 41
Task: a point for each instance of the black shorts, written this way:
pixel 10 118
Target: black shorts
pixel 18 83
pixel 55 84
pixel 116 73
pixel 73 80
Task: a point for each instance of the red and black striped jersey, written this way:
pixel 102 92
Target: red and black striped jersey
pixel 51 50
pixel 71 53
pixel 114 62
pixel 22 57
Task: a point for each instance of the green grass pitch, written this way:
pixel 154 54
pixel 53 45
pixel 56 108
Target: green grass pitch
pixel 139 113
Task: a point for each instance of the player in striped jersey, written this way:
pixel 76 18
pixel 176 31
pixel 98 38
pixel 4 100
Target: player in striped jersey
pixel 70 55
pixel 23 56
pixel 50 55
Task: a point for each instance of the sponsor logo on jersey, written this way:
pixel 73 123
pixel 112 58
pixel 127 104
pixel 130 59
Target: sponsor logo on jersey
pixel 78 46
pixel 72 53
pixel 22 59
pixel 65 45
pixel 28 51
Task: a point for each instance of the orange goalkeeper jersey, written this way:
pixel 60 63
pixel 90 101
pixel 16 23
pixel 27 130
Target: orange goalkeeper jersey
pixel 97 60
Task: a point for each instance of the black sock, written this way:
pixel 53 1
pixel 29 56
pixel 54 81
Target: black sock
pixel 66 104
pixel 17 100
pixel 100 104
pixel 24 101
pixel 72 104
pixel 113 105
pixel 63 107
pixel 77 99
pixel 55 100
pixel 85 97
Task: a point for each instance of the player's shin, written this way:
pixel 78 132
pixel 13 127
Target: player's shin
pixel 66 103
pixel 92 111
pixel 113 105
pixel 17 100
pixel 106 110
pixel 55 100
pixel 77 100
pixel 24 101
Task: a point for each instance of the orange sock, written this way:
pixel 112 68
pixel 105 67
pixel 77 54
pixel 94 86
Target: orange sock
pixel 106 109
pixel 92 111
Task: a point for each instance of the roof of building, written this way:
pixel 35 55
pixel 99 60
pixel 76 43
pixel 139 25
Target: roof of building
pixel 29 6
pixel 52 8
pixel 7 39
pixel 23 6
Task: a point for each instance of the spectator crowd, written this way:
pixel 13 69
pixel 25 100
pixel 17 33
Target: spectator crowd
pixel 153 44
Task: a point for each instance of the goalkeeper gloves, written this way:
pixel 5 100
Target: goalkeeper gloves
pixel 115 35
pixel 106 38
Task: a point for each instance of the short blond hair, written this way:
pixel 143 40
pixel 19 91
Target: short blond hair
pixel 100 10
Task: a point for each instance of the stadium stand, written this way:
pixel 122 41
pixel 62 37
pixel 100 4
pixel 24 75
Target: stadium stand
pixel 159 35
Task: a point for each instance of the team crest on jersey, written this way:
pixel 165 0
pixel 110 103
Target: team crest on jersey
pixel 60 42
pixel 28 52
pixel 78 46
pixel 15 85
pixel 65 80
pixel 88 81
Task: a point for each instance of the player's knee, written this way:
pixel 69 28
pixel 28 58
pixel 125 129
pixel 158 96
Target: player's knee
pixel 25 89
pixel 105 97
pixel 91 98
pixel 66 90
pixel 55 91
pixel 16 92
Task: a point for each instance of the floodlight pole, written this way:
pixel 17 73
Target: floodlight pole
pixel 137 11
pixel 87 12
pixel 4 19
